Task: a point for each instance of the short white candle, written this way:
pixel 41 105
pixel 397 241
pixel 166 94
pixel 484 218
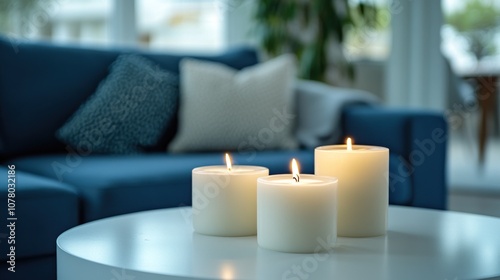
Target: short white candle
pixel 224 199
pixel 296 217
pixel 363 191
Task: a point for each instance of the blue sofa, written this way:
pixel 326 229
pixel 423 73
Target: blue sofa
pixel 57 187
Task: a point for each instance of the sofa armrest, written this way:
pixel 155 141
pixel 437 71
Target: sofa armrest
pixel 418 138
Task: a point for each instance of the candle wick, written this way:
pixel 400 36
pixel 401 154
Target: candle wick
pixel 296 177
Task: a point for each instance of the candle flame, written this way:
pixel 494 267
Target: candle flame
pixel 228 163
pixel 349 144
pixel 295 171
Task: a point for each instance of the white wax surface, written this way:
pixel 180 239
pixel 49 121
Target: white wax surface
pixel 292 182
pixel 224 202
pixel 237 169
pixel 296 217
pixel 363 190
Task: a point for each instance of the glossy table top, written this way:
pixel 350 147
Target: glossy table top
pixel 160 244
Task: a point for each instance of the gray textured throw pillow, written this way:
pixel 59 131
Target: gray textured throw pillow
pixel 129 111
pixel 223 109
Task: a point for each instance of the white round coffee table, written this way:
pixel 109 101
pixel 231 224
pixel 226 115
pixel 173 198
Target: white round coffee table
pixel 160 244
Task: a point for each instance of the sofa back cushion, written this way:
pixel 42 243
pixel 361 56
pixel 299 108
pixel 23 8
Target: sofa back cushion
pixel 42 85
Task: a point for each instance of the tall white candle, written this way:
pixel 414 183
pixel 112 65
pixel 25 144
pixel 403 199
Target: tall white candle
pixel 363 192
pixel 224 199
pixel 296 214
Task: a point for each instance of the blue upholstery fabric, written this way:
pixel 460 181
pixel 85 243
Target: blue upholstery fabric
pixel 380 127
pixel 419 137
pixel 428 157
pixel 40 268
pixel 400 191
pixel 44 209
pixel 112 185
pixel 55 90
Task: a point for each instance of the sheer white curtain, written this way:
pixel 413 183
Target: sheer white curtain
pixel 416 73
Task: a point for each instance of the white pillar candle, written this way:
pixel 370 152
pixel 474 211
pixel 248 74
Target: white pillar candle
pixel 296 216
pixel 224 199
pixel 363 191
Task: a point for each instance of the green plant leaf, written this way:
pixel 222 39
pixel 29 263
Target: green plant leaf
pixel 328 16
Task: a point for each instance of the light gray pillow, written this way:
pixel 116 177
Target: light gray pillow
pixel 223 109
pixel 320 111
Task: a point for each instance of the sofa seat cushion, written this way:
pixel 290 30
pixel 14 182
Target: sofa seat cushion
pixel 119 184
pixel 44 208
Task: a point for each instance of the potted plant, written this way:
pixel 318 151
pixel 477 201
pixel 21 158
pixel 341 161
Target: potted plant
pixel 312 30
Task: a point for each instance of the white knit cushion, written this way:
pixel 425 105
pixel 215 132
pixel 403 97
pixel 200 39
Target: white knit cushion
pixel 222 109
